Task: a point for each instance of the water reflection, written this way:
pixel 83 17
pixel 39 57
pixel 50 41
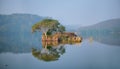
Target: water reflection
pixel 109 39
pixel 51 51
pixel 106 32
pixel 112 39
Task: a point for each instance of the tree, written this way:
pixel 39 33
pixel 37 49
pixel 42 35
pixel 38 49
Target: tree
pixel 51 53
pixel 48 25
pixel 61 28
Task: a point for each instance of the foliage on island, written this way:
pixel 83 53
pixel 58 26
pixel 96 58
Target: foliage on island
pixel 52 30
pixel 48 27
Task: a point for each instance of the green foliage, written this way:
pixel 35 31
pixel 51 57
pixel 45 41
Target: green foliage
pixel 35 27
pixel 48 26
pixel 54 53
pixel 49 32
pixel 61 28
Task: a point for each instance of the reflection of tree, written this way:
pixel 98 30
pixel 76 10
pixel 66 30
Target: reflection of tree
pixel 50 51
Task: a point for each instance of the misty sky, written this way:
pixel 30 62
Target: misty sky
pixel 68 12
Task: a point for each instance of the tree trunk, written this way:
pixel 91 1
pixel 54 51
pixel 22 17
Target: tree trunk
pixel 45 45
pixel 45 36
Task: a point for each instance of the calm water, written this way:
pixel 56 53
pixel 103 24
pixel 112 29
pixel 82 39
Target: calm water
pixel 91 53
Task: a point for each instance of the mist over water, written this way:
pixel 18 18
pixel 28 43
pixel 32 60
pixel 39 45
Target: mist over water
pixel 98 50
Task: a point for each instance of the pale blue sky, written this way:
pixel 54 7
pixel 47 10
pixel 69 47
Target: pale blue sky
pixel 72 12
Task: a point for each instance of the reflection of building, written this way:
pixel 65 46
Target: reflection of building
pixel 53 45
pixel 56 43
pixel 52 50
pixel 50 43
pixel 66 36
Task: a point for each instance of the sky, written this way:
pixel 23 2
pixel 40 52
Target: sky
pixel 68 12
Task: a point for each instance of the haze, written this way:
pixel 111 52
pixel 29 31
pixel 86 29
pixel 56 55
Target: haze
pixel 68 12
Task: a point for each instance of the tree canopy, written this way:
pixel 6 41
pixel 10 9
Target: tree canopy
pixel 48 26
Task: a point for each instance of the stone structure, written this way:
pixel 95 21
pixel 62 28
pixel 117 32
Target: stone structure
pixel 66 36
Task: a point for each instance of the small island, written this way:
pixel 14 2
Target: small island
pixel 52 30
pixel 53 39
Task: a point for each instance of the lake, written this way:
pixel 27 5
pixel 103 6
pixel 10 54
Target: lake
pixel 91 53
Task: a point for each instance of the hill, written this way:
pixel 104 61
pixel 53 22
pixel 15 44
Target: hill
pixel 15 32
pixel 111 25
pixel 106 32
